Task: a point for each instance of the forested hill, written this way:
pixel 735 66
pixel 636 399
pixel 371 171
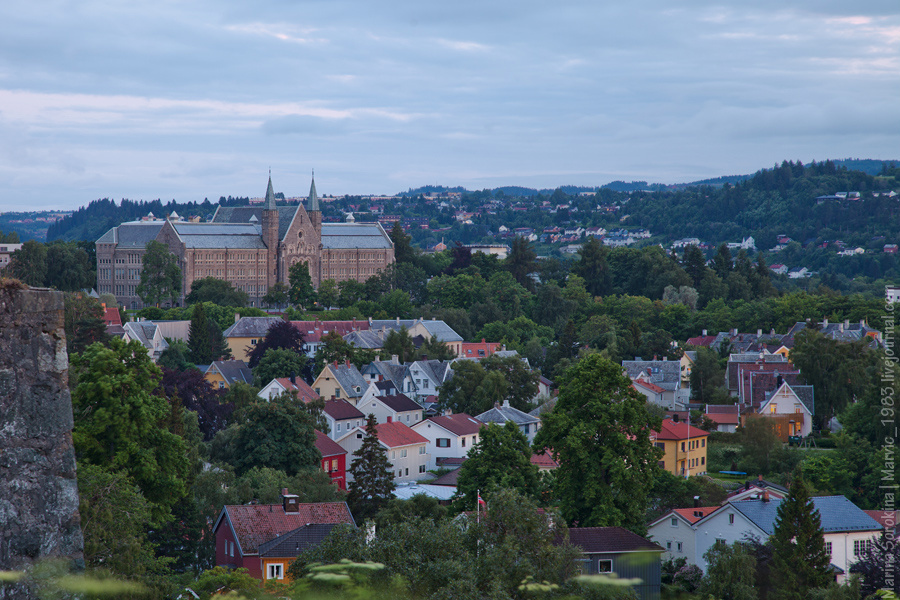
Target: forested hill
pixel 775 201
pixel 90 222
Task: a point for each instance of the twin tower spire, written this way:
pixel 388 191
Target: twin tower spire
pixel 312 203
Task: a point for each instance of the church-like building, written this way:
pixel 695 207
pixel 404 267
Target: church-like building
pixel 252 247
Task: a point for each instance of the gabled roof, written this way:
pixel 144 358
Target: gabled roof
pixel 449 479
pixel 836 513
pixel 671 430
pixel 692 515
pixel 339 410
pixel 545 407
pixel 349 378
pixel 664 373
pixel 294 542
pixel 314 330
pixel 134 234
pixel 251 327
pixel 723 414
pixel 255 524
pixel 438 329
pixel 327 446
pixel 544 461
pixel 609 540
pixel 394 435
pixel 647 385
pixel 804 394
pixel 437 370
pixel 369 339
pixel 355 235
pixel 298 387
pixel 502 414
pixel 245 214
pixel 457 423
pixel 111 316
pixel 399 402
pixel 233 370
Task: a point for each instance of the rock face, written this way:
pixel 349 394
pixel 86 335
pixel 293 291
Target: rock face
pixel 38 489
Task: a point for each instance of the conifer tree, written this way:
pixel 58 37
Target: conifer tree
pixel 373 480
pixel 800 562
pixel 199 339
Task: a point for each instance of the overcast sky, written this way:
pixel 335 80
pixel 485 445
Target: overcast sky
pixel 188 99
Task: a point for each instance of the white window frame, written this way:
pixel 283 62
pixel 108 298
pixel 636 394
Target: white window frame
pixel 275 571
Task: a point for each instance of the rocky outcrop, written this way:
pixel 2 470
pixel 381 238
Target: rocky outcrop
pixel 38 489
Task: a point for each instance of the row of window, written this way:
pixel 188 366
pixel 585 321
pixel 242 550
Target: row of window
pixel 445 442
pixel 694 444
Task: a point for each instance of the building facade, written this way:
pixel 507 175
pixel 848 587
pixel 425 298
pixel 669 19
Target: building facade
pixel 251 247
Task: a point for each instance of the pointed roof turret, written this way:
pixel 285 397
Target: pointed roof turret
pixel 312 202
pixel 270 196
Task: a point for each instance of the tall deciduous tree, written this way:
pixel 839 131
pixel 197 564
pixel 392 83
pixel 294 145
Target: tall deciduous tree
pixel 69 268
pixel 160 275
pixel 29 263
pixel 593 267
pixel 373 479
pixel 121 422
pixel 731 574
pixel 522 261
pixel 278 295
pixel 278 362
pixel 219 291
pixel 281 334
pixel 800 562
pixel 599 433
pixel 399 342
pixel 302 292
pixel 328 293
pixel 500 459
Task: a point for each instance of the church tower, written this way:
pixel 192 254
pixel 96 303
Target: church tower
pixel 312 204
pixel 270 235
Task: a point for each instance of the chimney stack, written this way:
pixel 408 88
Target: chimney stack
pixel 765 496
pixel 289 502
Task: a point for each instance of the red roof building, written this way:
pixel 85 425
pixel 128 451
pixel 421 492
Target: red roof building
pixel 240 529
pixel 111 316
pixel 480 349
pixel 692 515
pixel 298 388
pixel 334 459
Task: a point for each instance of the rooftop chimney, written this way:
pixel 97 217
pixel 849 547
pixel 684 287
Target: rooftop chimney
pixel 759 478
pixel 289 502
pixel 696 501
pixel 765 496
pixel 759 333
pixel 704 333
pixel 824 323
pixel 237 317
pixel 294 377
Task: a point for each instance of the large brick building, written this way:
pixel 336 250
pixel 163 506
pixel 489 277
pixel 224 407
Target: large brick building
pixel 252 247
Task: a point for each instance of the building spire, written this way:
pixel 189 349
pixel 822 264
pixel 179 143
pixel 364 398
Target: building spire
pixel 270 195
pixel 313 201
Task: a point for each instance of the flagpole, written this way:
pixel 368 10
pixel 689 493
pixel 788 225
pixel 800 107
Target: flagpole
pixel 478 506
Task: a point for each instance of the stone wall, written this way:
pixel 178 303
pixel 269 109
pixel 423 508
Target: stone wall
pixel 38 489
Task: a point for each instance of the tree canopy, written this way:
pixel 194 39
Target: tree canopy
pixel 160 275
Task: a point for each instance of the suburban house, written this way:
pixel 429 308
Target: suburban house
pixel 222 374
pixel 665 374
pixel 406 450
pixel 792 409
pixel 341 417
pixel 276 555
pixel 399 408
pixel 449 436
pixel 527 423
pixel 334 459
pixel 432 329
pixel 480 349
pixel 240 530
pixel 340 380
pixel 759 361
pixel 425 377
pixel 383 370
pixel 246 333
pixel 756 489
pixel 684 446
pixel 653 393
pixel 848 529
pixel 292 385
pixel 615 550
pixel 313 331
pixel 726 416
pixel 148 334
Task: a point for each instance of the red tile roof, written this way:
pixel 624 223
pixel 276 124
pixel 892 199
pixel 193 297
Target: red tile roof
pixel 339 409
pixel 887 518
pixel 111 316
pixel 298 386
pixel 471 349
pixel 397 434
pixel 327 446
pixel 314 330
pixel 255 524
pixel 543 461
pixel 692 515
pixel 701 340
pixel 650 386
pixel 671 430
pixel 458 424
pixel 724 418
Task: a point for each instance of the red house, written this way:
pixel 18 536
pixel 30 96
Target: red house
pixel 334 459
pixel 241 529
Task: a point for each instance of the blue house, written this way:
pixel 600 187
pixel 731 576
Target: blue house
pixel 615 550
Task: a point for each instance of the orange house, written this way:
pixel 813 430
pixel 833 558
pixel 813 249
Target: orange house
pixel 684 446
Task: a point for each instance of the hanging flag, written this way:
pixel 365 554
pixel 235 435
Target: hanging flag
pixel 481 501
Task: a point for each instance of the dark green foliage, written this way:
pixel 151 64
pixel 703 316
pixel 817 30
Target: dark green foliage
pixel 199 340
pixel 373 479
pixel 399 343
pixel 175 357
pixel 160 275
pixel 403 249
pixel 731 572
pixel 432 349
pixel 419 506
pixel 800 562
pixel 121 422
pixel 302 292
pixel 521 262
pixel 281 334
pixel 592 266
pixel 500 459
pixel 877 566
pixel 670 491
pixel 218 291
pixel 476 386
pixel 69 268
pixel 83 318
pixel 708 379
pixel 29 264
pixel 599 433
pixel 278 295
pixel 278 362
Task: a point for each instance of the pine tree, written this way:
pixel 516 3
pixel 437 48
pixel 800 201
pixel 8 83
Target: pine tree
pixel 800 562
pixel 199 340
pixel 373 479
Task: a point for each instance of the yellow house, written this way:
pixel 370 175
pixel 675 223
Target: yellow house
pixel 687 364
pixel 340 380
pixel 684 446
pixel 246 333
pixel 222 374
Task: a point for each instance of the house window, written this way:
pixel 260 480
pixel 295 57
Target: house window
pixel 463 442
pixel 679 546
pixel 337 392
pixel 731 519
pixel 403 453
pixel 275 571
pixel 338 427
pixel 421 468
pixel 421 449
pixel 407 471
pixel 860 546
pixel 393 454
pixel 669 545
pixel 526 429
pixel 703 443
pixel 400 473
pixel 828 548
pixel 443 442
pixel 604 566
pixel 221 385
pixel 334 464
pixel 682 446
pixel 582 566
pixel 660 445
pixel 318 393
pixel 674 522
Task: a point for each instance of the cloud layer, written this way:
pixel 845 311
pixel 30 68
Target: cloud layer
pixel 198 98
